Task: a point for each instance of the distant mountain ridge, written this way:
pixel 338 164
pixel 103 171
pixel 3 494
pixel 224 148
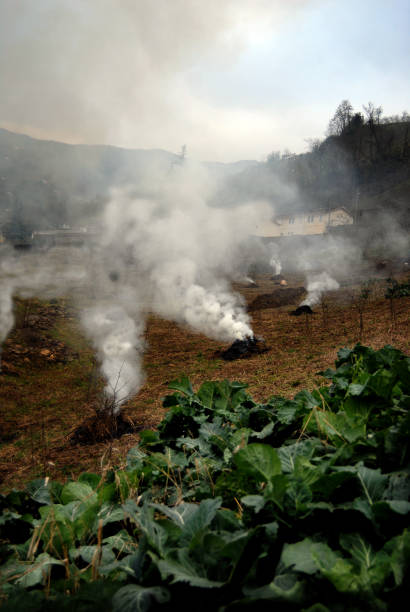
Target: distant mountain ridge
pixel 367 167
pixel 48 180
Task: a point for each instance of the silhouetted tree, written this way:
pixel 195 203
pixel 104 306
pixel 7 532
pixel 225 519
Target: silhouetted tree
pixel 341 119
pixel 373 113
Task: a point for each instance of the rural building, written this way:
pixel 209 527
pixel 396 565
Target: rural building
pixel 61 237
pixel 304 223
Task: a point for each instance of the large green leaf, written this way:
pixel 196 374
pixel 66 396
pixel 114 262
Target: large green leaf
pixel 398 550
pixel 386 509
pixel 183 385
pixel 56 529
pixel 78 491
pixel 206 394
pixel 89 553
pixel 108 513
pixel 306 401
pixel 122 542
pixel 373 567
pixel 289 452
pixel 137 598
pixel 256 502
pixel 44 491
pixel 287 413
pixel 382 382
pixel 285 588
pixel 185 570
pixel 37 572
pixel 360 550
pixel 192 519
pixel 308 556
pixel 373 482
pixel 155 534
pixel 298 496
pixel 259 461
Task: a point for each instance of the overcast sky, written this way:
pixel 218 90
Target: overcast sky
pixel 231 79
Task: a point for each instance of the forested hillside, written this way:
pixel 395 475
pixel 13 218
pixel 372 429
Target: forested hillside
pixel 363 164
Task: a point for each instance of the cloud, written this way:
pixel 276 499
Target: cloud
pixel 232 79
pixel 116 72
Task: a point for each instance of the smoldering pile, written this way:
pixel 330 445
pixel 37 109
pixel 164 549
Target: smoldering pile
pixel 300 310
pixel 137 264
pixel 279 297
pixel 244 349
pixel 101 427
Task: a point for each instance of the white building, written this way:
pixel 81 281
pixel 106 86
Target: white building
pixel 304 223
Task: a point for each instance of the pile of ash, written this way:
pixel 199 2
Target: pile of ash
pixel 279 297
pixel 300 310
pixel 243 349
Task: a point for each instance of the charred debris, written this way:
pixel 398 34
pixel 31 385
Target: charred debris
pixel 102 427
pixel 300 310
pixel 244 349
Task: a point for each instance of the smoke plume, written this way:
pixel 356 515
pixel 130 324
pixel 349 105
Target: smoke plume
pixel 317 285
pixel 169 253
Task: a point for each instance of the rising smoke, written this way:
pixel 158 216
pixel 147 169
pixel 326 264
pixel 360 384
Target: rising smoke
pixel 170 254
pixel 317 285
pixel 275 261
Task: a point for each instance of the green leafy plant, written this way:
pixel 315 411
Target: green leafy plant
pixel 300 503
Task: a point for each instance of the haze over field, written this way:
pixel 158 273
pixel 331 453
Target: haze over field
pixel 224 81
pixel 232 80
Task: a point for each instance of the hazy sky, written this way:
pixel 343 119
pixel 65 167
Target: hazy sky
pixel 231 79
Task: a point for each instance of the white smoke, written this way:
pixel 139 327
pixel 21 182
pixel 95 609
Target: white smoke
pixel 170 254
pixel 6 313
pixel 317 285
pixel 275 261
pixel 31 275
pixel 276 265
pixel 119 342
pixel 246 280
pixel 184 251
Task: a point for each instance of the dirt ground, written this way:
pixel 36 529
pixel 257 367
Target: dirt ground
pixel 49 384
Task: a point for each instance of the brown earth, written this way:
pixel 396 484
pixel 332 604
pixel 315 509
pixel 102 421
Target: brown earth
pixel 49 385
pixel 279 297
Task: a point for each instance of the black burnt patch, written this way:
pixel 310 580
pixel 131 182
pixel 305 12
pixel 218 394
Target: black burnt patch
pixel 244 349
pixel 300 310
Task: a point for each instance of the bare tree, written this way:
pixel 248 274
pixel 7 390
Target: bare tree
pixel 373 113
pixel 341 119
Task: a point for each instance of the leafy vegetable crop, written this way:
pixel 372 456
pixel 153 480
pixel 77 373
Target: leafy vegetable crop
pixel 233 504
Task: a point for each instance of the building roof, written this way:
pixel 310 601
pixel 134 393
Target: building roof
pixel 315 211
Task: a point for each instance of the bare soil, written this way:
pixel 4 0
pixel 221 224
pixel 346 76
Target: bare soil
pixel 50 390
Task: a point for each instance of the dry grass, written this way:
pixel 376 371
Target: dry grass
pixel 44 398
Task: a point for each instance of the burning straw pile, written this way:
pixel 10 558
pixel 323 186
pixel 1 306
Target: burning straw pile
pixel 244 349
pixel 106 424
pixel 300 310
